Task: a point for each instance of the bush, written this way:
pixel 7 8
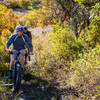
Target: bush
pixel 41 18
pixel 73 61
pixel 30 19
pixel 22 4
pixel 86 73
pixel 64 45
pixel 8 21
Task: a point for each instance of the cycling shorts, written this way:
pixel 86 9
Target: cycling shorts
pixel 15 52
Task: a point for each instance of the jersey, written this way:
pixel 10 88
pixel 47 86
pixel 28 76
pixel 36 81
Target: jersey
pixel 19 42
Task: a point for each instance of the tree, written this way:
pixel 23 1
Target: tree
pixel 69 11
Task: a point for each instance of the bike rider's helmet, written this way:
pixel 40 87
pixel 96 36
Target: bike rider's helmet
pixel 19 28
pixel 25 27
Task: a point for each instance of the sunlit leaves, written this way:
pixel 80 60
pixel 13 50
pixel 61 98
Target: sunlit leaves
pixel 7 18
pixel 8 21
pixel 39 18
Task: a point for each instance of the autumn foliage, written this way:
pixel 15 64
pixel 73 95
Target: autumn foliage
pixel 8 21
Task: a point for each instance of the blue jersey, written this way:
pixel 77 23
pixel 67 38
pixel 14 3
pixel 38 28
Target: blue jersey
pixel 19 42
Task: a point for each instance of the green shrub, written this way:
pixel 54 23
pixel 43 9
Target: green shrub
pixel 73 61
pixel 64 45
pixel 86 73
pixel 40 18
pixel 22 4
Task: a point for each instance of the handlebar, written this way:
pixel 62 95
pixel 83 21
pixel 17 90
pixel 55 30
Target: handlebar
pixel 18 52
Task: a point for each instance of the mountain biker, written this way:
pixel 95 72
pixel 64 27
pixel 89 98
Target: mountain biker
pixel 19 41
pixel 27 32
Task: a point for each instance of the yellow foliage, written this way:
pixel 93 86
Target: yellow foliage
pixel 7 18
pixel 8 21
pixel 41 18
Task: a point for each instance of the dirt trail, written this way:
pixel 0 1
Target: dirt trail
pixel 34 88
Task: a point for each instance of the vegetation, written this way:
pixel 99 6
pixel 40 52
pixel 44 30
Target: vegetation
pixel 8 22
pixel 41 18
pixel 73 62
pixel 70 54
pixel 22 4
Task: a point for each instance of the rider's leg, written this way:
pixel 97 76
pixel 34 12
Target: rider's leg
pixel 22 60
pixel 26 55
pixel 12 60
pixel 11 63
pixel 22 56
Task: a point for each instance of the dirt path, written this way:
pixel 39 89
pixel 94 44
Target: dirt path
pixel 34 88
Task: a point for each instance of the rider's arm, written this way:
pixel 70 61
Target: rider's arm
pixel 10 40
pixel 29 43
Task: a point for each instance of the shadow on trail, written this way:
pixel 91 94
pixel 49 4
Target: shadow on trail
pixel 35 88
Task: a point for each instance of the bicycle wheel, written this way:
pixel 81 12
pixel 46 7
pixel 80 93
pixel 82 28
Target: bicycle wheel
pixel 17 78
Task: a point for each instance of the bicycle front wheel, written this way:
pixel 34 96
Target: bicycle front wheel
pixel 18 78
